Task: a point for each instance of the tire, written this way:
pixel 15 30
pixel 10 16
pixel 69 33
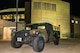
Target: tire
pixel 30 44
pixel 38 44
pixel 56 39
pixel 14 42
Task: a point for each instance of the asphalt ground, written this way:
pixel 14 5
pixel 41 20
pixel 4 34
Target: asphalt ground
pixel 65 46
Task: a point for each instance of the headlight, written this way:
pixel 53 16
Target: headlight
pixel 33 32
pixel 26 34
pixel 37 32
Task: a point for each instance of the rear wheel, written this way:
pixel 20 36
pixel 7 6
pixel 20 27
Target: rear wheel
pixel 38 44
pixel 16 42
pixel 56 39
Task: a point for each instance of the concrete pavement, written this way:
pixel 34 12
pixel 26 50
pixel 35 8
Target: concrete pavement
pixel 65 46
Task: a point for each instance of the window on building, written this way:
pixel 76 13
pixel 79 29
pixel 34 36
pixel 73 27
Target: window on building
pixel 21 16
pixel 37 5
pixel 48 6
pixel 4 17
pixel 44 6
pixel 54 7
pixel 9 17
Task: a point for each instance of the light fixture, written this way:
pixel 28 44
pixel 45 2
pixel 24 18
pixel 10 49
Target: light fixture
pixel 76 22
pixel 72 21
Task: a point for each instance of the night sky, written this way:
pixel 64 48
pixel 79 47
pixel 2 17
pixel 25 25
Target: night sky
pixel 75 5
pixel 10 4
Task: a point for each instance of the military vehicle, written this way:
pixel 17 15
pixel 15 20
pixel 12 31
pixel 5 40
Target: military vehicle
pixel 36 35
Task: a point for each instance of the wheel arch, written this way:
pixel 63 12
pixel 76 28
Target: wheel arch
pixel 43 36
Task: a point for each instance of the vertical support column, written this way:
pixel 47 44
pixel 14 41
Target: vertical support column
pixel 72 27
pixel 28 11
pixel 16 15
pixel 12 18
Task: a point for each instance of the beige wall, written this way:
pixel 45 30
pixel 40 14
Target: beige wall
pixel 5 29
pixel 4 23
pixel 59 17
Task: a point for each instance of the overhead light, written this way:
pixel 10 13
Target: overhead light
pixel 72 21
pixel 76 22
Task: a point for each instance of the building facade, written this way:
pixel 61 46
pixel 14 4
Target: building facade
pixel 6 28
pixel 10 14
pixel 55 12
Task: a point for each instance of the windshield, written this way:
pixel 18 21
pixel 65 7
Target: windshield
pixel 41 27
pixel 28 28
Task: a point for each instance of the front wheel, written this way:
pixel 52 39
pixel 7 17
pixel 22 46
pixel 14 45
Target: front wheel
pixel 16 42
pixel 38 44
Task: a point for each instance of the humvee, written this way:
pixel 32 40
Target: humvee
pixel 36 35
